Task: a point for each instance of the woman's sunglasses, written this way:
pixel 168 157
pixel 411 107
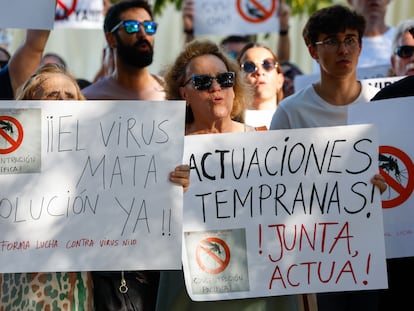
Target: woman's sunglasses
pixel 204 82
pixel 405 51
pixel 250 67
pixel 132 26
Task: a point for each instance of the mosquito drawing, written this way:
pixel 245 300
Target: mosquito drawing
pixel 214 247
pixel 390 165
pixel 7 126
pixel 253 11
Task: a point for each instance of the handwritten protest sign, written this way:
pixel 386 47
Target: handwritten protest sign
pixel 259 117
pixel 217 17
pixel 394 120
pixel 25 14
pixel 383 82
pixel 283 212
pixel 79 14
pixel 85 185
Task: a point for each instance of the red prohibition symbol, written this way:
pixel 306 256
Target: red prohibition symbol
pixel 7 131
pixel 67 10
pixel 400 179
pixel 255 12
pixel 213 255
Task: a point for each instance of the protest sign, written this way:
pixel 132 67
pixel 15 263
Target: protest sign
pixel 85 185
pixel 396 155
pixel 79 14
pixel 259 118
pixel 235 17
pixel 282 212
pixel 25 14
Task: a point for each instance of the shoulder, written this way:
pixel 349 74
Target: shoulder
pixel 159 79
pixel 101 89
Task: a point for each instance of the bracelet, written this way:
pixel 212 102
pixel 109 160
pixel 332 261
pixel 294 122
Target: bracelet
pixel 283 32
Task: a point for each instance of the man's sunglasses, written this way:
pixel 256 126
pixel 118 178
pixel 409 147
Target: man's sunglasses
pixel 404 51
pixel 267 64
pixel 204 82
pixel 132 26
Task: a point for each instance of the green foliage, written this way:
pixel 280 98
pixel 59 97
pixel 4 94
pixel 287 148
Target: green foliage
pixel 301 7
pixel 298 7
pixel 159 5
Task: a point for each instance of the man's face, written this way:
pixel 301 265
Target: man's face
pixel 135 49
pixel 337 54
pixel 403 64
pixel 369 8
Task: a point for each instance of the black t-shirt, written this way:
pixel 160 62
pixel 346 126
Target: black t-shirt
pixel 401 88
pixel 6 90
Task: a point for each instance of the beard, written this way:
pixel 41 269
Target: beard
pixel 131 55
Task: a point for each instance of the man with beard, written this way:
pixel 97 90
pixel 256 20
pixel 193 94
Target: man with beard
pixel 129 31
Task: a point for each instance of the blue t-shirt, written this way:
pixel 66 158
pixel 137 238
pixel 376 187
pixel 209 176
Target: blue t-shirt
pixel 6 90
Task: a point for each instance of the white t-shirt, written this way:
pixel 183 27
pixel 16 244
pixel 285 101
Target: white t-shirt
pixel 376 50
pixel 306 109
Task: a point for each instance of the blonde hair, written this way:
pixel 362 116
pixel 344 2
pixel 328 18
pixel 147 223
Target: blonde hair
pixel 250 45
pixel 32 86
pixel 176 73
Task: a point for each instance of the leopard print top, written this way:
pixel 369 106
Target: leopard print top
pixel 54 291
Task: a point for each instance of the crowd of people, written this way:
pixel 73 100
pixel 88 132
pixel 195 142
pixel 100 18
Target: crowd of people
pixel 220 83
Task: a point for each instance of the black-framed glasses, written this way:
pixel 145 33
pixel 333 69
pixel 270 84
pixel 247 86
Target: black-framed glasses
pixel 267 65
pixel 411 31
pixel 204 82
pixel 332 44
pixel 132 26
pixel 404 51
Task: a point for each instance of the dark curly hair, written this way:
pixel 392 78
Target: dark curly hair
pixel 112 17
pixel 331 20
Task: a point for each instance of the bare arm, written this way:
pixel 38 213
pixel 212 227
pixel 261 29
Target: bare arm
pixel 26 58
pixel 283 43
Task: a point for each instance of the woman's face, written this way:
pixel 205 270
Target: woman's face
pixel 265 79
pixel 211 102
pixel 56 86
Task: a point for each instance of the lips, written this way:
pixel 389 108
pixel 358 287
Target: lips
pixel 260 82
pixel 217 100
pixel 143 44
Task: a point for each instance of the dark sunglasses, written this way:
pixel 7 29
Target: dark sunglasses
pixel 267 64
pixel 3 63
pixel 404 51
pixel 411 31
pixel 132 26
pixel 204 82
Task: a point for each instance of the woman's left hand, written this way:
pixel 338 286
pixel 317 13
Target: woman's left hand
pixel 379 181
